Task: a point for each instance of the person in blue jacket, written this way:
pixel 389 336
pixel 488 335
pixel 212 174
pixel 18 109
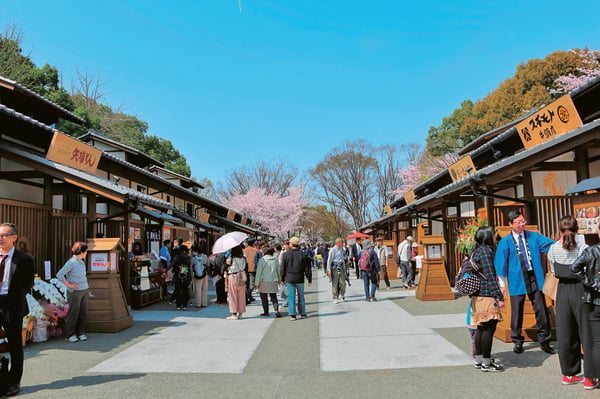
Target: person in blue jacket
pixel 518 264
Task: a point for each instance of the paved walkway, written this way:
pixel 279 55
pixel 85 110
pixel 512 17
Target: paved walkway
pixel 396 347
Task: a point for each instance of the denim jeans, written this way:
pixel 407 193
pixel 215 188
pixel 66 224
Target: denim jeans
pixel 292 287
pixel 369 277
pixel 407 272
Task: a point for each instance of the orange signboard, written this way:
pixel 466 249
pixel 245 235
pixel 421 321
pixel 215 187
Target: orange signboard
pixel 68 151
pixel 551 121
pixel 387 209
pixel 461 168
pixel 409 197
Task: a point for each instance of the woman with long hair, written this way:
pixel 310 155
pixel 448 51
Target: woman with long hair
pixel 486 304
pixel 236 283
pixel 572 315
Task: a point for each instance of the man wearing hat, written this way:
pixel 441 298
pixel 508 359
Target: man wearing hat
pixel 404 255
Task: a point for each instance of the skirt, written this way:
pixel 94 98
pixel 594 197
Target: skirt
pixel 268 287
pixel 484 308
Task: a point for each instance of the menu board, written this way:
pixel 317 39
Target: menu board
pixel 587 216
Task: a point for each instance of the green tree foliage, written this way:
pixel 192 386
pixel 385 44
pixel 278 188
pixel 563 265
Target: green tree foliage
pixel 84 101
pixel 530 87
pixel 447 137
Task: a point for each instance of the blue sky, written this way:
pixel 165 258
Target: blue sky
pixel 292 79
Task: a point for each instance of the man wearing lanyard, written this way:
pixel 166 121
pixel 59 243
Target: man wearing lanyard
pixel 518 263
pixel 16 272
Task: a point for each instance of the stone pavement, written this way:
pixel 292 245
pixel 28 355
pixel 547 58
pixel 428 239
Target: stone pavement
pixel 396 347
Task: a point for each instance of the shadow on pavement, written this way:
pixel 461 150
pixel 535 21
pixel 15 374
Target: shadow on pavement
pixel 83 381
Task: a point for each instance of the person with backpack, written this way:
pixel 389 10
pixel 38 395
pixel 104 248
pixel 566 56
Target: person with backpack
pixel 369 269
pixel 182 277
pixel 199 266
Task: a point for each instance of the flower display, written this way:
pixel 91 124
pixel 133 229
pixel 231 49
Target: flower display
pixel 47 306
pixel 466 235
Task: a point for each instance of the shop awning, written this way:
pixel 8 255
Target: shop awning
pixel 190 219
pixel 239 226
pixel 156 215
pixel 593 183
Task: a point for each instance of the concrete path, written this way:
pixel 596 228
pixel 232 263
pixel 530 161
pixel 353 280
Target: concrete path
pixel 360 335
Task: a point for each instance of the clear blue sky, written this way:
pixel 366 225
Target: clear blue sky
pixel 292 79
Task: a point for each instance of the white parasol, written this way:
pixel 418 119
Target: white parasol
pixel 228 241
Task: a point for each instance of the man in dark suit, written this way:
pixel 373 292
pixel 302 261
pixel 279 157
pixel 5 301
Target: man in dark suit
pixel 355 253
pixel 16 278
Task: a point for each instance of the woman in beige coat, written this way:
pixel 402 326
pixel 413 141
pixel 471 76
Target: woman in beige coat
pixel 267 280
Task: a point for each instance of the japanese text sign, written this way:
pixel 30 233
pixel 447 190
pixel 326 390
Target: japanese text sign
pixel 551 121
pixel 409 197
pixel 461 168
pixel 68 151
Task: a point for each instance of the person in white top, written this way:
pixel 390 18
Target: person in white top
pixel 404 256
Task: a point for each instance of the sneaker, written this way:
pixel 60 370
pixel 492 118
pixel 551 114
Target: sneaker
pixel 303 316
pixel 72 338
pixel 477 365
pixel 571 379
pixel 343 299
pixel 292 318
pixel 373 299
pixel 336 301
pixel 277 314
pixel 493 366
pixel 232 317
pixel 184 308
pixel 82 337
pixel 590 383
pixel 178 308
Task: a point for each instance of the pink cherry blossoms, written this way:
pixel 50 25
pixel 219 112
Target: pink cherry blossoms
pixel 590 70
pixel 280 215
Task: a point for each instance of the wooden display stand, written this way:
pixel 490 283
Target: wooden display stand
pixel 108 311
pixel 392 266
pixel 147 289
pixel 434 284
pixel 529 330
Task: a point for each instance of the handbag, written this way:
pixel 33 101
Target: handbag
pixel 550 285
pixel 468 280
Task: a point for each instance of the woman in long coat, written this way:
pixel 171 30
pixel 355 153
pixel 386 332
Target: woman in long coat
pixel 267 279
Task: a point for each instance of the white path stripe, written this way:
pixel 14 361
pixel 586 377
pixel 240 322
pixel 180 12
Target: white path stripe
pixel 214 345
pixel 359 335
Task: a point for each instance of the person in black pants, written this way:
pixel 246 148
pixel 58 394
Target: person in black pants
pixel 486 303
pixel 16 279
pixel 518 265
pixel 218 266
pixel 572 315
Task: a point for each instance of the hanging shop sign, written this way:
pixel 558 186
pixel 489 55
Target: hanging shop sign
pixel 461 168
pixel 74 153
pixel 410 197
pixel 551 121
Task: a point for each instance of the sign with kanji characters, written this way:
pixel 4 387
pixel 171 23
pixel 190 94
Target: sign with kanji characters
pixel 551 121
pixel 387 209
pixel 461 168
pixel 70 152
pixel 409 197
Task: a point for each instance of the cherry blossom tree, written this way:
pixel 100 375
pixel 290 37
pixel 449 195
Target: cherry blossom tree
pixel 589 70
pixel 280 214
pixel 421 169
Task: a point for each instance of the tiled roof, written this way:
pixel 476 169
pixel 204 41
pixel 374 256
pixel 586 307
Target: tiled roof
pixel 32 93
pixel 97 181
